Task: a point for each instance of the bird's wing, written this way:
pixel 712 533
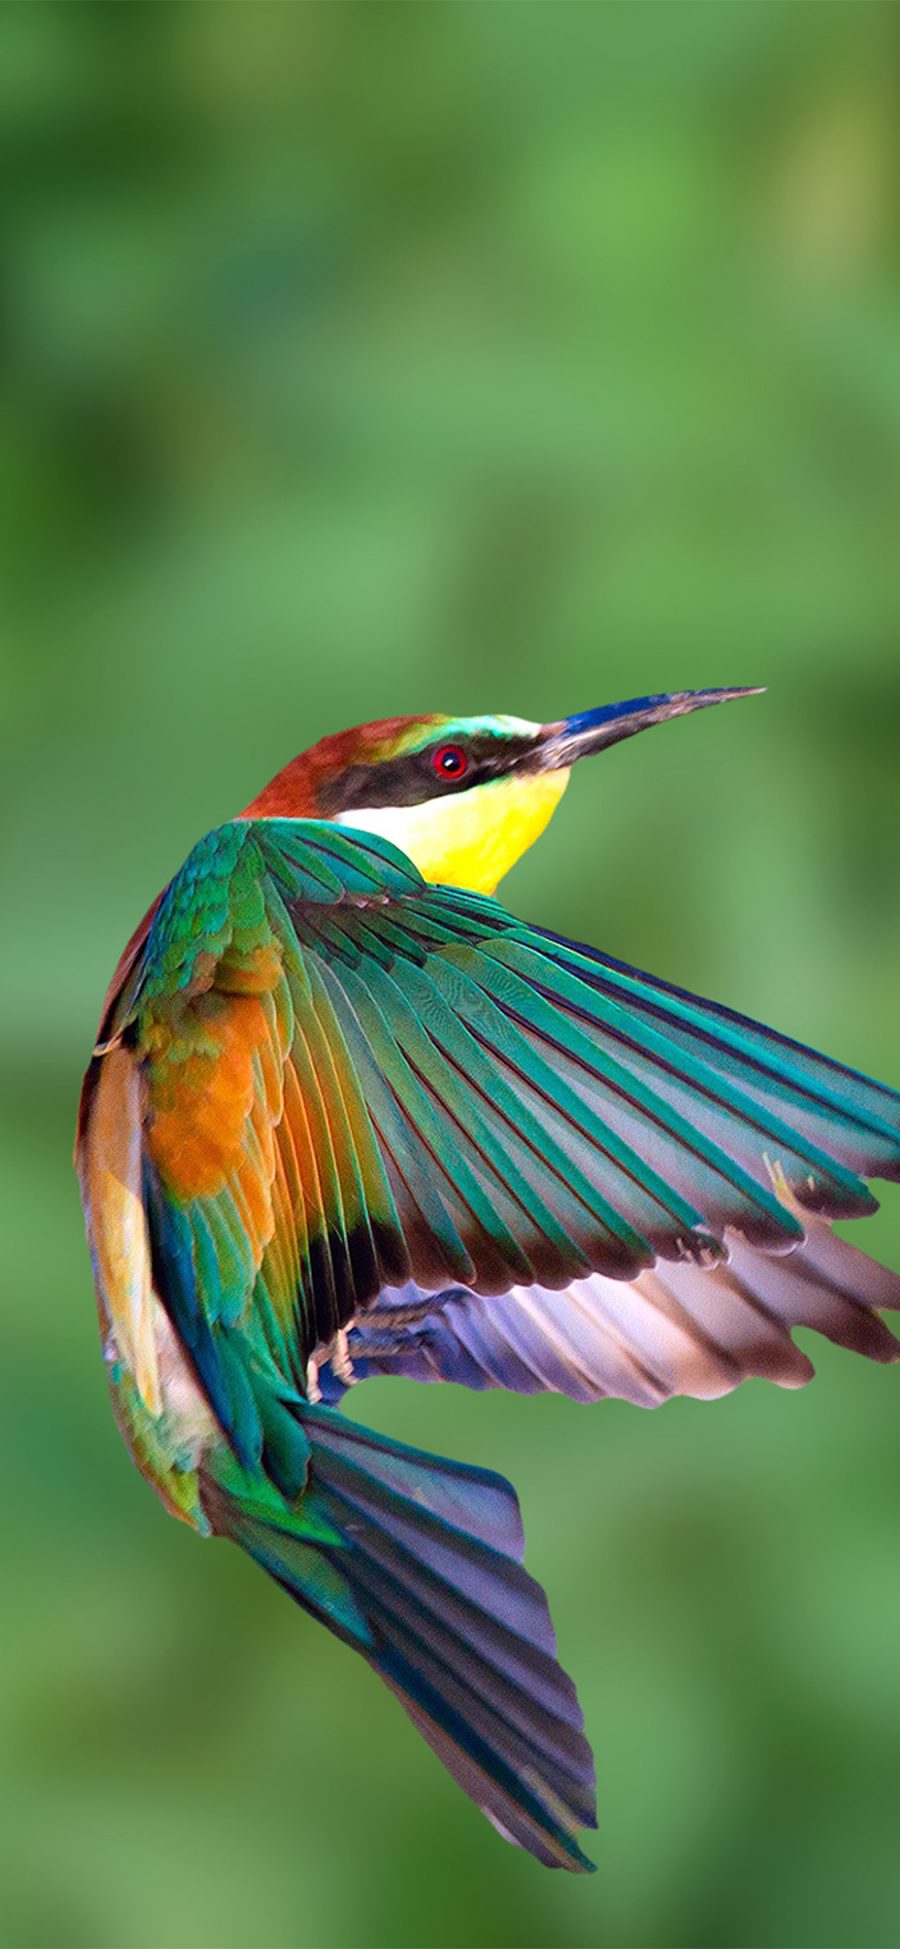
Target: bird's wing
pixel 677 1329
pixel 350 1080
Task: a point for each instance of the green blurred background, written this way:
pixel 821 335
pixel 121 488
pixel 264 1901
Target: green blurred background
pixel 361 360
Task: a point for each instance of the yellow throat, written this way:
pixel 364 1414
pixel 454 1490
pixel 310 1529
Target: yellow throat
pixel 470 840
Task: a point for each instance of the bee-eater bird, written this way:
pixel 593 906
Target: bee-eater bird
pixel 346 1116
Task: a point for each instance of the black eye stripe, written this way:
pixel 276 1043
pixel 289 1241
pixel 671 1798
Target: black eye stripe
pixel 413 778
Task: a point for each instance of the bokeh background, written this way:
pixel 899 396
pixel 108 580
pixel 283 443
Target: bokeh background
pixel 365 359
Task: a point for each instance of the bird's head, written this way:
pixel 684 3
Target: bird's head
pixel 463 797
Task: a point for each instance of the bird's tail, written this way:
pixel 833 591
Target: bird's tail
pixel 417 1562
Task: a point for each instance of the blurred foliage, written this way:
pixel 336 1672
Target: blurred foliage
pixel 373 359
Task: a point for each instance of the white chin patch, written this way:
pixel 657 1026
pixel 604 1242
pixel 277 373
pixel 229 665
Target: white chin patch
pixel 394 822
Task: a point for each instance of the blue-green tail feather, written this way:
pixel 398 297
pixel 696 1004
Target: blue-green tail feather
pixel 417 1562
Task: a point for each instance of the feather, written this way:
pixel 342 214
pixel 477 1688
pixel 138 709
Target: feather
pixel 677 1329
pixel 417 1563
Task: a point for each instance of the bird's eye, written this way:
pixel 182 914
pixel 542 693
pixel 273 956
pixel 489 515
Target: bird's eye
pixel 449 761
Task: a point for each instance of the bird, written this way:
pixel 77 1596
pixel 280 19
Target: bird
pixel 346 1116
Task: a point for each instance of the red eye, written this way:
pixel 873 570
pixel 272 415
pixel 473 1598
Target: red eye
pixel 449 761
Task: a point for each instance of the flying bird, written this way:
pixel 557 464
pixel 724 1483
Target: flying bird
pixel 346 1116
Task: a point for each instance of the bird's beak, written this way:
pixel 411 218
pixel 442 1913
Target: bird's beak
pixel 577 737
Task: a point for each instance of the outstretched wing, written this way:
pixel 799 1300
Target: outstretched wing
pixel 350 1081
pixel 678 1329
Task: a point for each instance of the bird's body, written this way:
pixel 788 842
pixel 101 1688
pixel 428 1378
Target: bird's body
pixel 347 1116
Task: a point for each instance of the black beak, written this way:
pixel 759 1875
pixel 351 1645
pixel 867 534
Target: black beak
pixel 578 737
